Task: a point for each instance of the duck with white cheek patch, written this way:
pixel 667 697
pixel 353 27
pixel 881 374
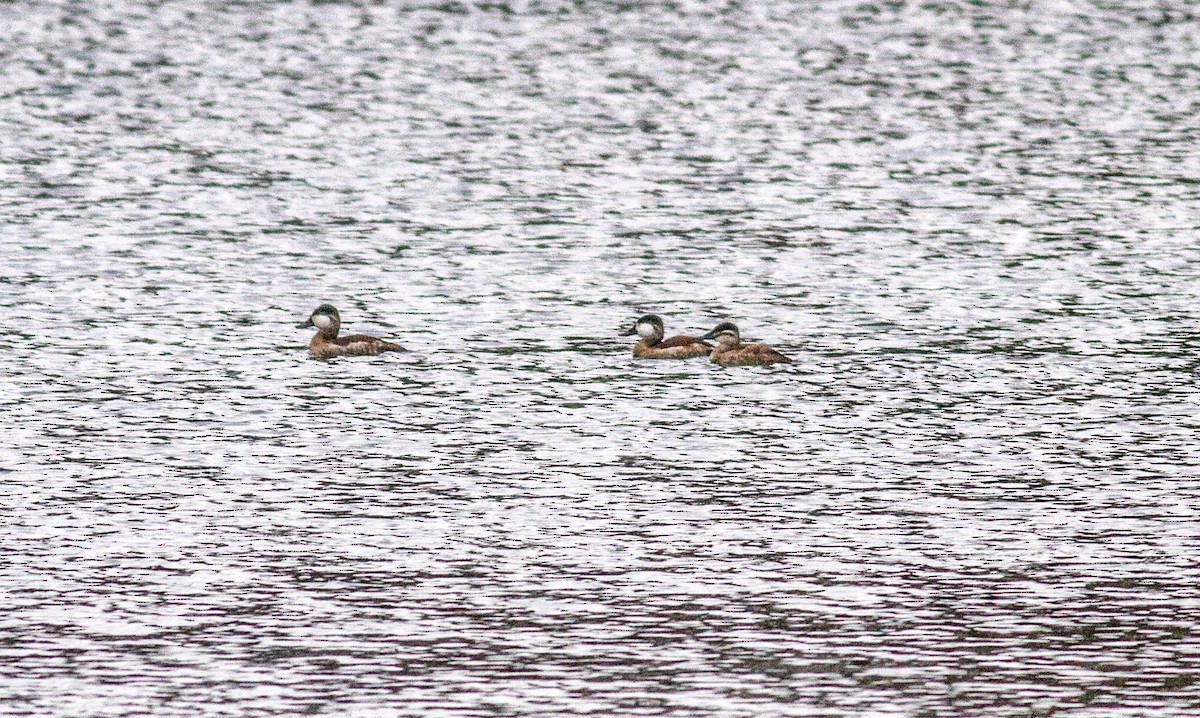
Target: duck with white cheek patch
pixel 731 352
pixel 652 346
pixel 327 343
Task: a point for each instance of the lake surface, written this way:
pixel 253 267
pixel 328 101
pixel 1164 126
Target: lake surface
pixel 973 226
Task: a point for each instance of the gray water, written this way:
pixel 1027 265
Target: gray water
pixel 973 226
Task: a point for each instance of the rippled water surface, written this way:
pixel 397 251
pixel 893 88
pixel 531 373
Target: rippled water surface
pixel 972 225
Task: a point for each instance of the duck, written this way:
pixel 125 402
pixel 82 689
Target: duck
pixel 327 343
pixel 652 346
pixel 731 352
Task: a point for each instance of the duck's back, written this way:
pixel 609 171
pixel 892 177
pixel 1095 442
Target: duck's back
pixel 749 355
pixel 677 347
pixel 351 345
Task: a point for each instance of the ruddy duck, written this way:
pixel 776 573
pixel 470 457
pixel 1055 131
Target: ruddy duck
pixel 731 352
pixel 652 346
pixel 328 344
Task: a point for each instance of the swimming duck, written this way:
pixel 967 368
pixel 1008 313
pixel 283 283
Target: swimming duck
pixel 652 346
pixel 328 344
pixel 731 352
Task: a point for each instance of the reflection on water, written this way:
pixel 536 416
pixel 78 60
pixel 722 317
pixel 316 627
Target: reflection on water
pixel 972 227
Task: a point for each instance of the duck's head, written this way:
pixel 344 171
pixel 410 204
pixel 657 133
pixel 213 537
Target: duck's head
pixel 726 333
pixel 325 318
pixel 649 327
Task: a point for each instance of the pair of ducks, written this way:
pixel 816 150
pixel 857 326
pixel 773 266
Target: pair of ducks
pixel 729 350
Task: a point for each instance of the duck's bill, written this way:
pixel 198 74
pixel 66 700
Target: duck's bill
pixel 629 332
pixel 306 325
pixel 710 335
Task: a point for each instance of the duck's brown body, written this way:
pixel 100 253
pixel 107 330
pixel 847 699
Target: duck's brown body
pixel 327 344
pixel 679 347
pixel 323 347
pixel 748 355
